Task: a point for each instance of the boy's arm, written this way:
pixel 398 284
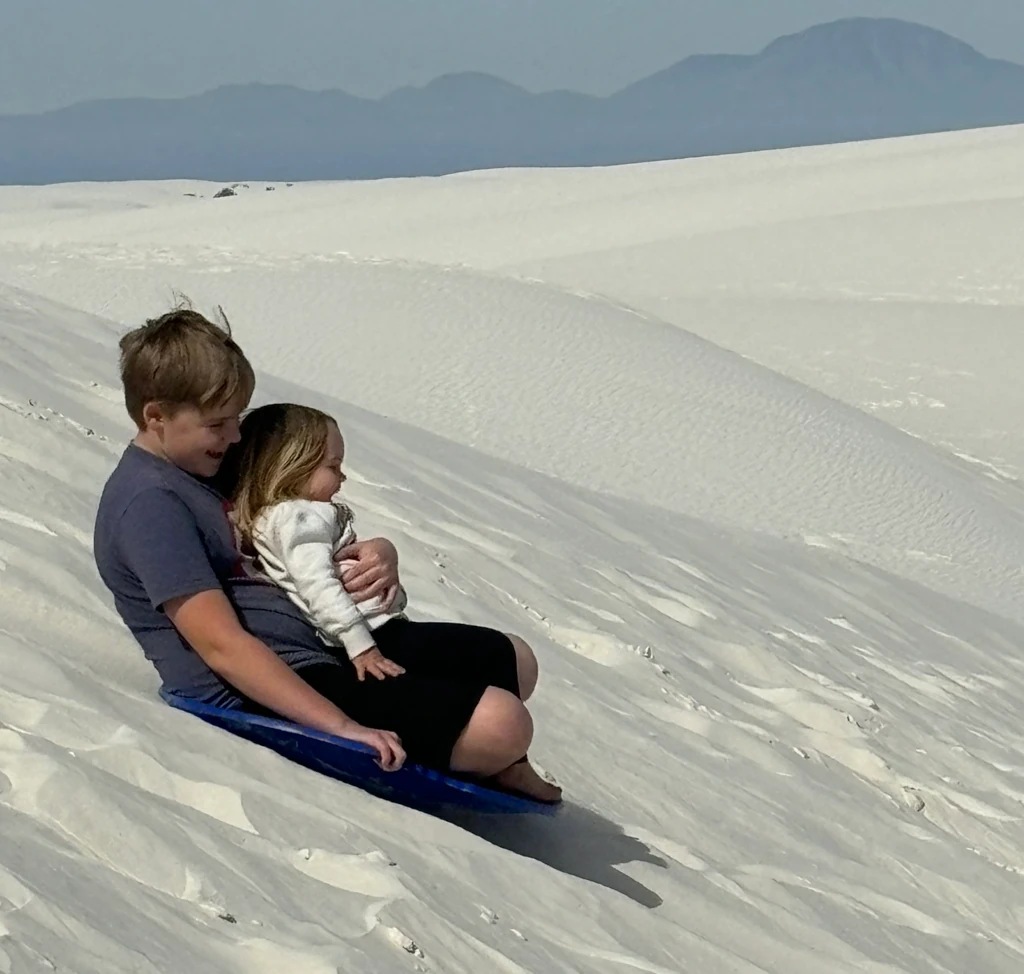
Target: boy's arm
pixel 362 580
pixel 368 569
pixel 373 572
pixel 160 542
pixel 209 624
pixel 300 536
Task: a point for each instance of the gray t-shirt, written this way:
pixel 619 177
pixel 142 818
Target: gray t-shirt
pixel 161 534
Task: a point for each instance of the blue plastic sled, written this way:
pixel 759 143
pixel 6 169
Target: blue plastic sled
pixel 353 763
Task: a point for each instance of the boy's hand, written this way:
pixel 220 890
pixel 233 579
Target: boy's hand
pixel 388 745
pixel 375 571
pixel 374 663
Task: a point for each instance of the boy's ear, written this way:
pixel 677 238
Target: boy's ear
pixel 153 415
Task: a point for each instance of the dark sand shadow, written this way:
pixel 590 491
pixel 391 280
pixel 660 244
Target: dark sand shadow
pixel 578 841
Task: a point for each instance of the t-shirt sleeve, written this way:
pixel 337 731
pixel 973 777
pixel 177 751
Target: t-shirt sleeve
pixel 160 542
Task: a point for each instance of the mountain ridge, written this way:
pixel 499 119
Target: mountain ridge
pixel 848 80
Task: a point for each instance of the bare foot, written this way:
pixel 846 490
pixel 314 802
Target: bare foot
pixel 522 778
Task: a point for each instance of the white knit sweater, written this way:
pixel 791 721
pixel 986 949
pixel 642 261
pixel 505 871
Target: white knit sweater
pixel 296 542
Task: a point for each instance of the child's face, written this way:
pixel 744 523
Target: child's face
pixel 328 478
pixel 194 440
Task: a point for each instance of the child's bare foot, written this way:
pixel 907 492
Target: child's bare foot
pixel 522 778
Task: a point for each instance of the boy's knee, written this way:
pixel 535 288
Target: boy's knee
pixel 522 647
pixel 507 721
pixel 526 665
pixel 498 734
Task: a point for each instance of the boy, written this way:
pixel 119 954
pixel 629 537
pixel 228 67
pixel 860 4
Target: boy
pixel 166 550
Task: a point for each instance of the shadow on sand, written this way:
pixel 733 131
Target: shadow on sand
pixel 577 841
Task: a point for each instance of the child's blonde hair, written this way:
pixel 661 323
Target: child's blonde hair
pixel 281 446
pixel 183 359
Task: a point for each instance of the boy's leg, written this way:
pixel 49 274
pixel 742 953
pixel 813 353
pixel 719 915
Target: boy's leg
pixel 472 729
pixel 497 735
pixel 452 651
pixel 468 727
pixel 494 744
pixel 526 666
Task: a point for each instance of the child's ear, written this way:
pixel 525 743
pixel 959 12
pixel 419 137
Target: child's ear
pixel 153 416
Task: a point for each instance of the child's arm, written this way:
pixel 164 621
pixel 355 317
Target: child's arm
pixel 300 536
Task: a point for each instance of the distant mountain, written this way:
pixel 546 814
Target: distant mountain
pixel 849 80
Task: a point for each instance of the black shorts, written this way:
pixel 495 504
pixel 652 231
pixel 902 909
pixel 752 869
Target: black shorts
pixel 448 666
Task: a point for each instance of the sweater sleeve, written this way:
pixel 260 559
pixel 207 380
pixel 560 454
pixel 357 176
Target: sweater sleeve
pixel 303 534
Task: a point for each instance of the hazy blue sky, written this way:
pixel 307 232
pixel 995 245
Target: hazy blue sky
pixel 56 52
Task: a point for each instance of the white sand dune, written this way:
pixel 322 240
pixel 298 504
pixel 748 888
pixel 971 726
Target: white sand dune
pixel 780 633
pixel 855 269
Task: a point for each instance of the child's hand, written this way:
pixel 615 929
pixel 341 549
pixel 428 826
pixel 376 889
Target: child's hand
pixel 375 664
pixel 388 745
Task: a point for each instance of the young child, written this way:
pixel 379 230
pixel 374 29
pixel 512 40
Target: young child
pixel 283 477
pixel 166 550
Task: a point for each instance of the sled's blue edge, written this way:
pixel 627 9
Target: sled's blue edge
pixel 414 785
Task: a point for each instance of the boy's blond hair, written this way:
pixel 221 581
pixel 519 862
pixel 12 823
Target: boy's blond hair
pixel 281 446
pixel 183 359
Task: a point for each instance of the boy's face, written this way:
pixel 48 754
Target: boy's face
pixel 194 440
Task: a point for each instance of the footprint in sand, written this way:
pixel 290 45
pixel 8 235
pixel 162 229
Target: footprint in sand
pixel 478 540
pixel 109 393
pixel 399 939
pixel 594 646
pixel 678 606
pixel 837 692
pixel 832 732
pixel 372 874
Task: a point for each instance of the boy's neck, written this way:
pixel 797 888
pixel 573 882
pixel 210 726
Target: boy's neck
pixel 149 442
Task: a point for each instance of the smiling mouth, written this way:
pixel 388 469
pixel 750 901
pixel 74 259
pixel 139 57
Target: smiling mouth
pixel 214 455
